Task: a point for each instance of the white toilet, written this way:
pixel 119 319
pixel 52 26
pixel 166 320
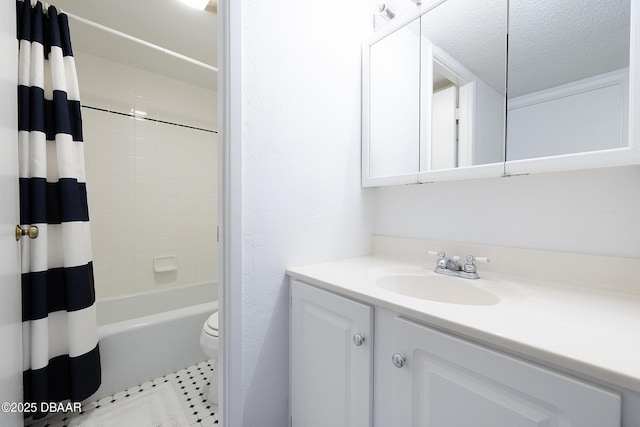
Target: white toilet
pixel 209 343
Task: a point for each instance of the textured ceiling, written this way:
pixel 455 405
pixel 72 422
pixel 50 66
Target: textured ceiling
pixel 551 42
pixel 167 23
pixel 473 32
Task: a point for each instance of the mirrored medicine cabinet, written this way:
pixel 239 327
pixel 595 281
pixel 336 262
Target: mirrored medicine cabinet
pixel 444 98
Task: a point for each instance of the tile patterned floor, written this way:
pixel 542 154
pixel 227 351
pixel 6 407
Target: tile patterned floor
pixel 191 385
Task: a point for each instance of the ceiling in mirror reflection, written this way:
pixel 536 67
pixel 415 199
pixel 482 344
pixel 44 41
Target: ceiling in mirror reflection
pixel 474 34
pixel 578 39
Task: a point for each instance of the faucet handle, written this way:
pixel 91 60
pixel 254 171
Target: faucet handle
pixel 442 259
pixel 439 254
pixel 470 267
pixel 471 258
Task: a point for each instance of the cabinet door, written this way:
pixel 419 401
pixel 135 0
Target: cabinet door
pixel 330 382
pixel 449 382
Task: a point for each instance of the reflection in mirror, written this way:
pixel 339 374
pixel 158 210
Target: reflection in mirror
pixel 394 102
pixel 444 126
pixel 463 64
pixel 568 77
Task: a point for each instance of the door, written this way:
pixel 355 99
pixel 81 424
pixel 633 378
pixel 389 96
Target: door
pixel 331 359
pixel 444 381
pixel 444 129
pixel 10 304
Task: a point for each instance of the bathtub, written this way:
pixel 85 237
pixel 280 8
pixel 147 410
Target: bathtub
pixel 148 335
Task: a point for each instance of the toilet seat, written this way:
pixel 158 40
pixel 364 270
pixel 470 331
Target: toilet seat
pixel 211 325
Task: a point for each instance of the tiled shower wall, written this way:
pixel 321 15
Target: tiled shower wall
pixel 151 186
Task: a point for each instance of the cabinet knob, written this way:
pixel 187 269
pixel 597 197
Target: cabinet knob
pixel 358 339
pixel 398 360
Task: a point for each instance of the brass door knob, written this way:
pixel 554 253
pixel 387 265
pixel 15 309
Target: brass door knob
pixel 32 232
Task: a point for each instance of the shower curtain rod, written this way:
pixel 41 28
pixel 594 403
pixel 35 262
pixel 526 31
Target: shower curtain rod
pixel 140 41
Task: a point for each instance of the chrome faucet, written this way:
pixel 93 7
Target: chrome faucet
pixel 453 267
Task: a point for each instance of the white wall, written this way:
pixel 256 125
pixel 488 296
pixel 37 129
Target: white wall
pixel 151 186
pixel 301 194
pixel 591 212
pixel 489 125
pixel 586 115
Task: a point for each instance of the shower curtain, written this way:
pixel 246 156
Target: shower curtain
pixel 60 339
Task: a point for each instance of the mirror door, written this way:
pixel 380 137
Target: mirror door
pixel 569 64
pixel 463 87
pixel 391 116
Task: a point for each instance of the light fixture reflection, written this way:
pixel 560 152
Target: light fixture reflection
pixel 138 114
pixel 197 4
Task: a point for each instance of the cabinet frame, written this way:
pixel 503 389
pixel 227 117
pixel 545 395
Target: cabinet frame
pixel 627 155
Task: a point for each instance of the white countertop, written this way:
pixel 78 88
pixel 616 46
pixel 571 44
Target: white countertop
pixel 590 331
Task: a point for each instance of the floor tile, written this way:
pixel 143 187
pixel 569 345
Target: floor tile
pixel 192 388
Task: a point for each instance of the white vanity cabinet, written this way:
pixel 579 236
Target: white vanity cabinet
pixel 407 374
pixel 444 381
pixel 331 353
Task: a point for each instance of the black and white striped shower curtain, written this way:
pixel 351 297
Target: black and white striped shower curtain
pixel 60 340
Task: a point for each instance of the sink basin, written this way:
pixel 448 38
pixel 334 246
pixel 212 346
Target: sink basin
pixel 435 287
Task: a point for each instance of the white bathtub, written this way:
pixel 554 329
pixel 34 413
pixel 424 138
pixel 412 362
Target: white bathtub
pixel 148 335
